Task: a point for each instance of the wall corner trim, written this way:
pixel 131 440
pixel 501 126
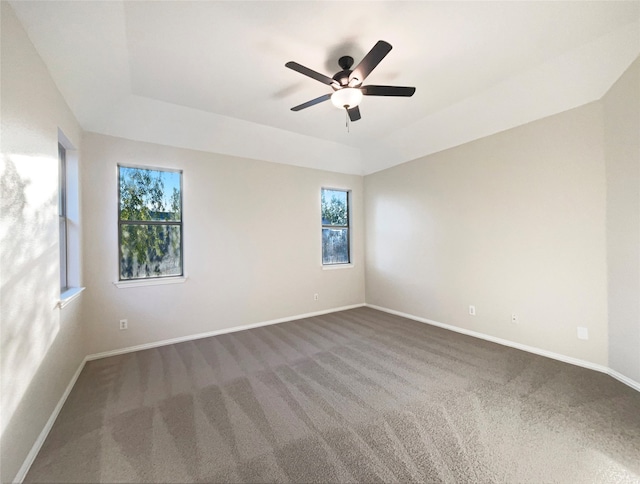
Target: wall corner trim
pixel 624 379
pixel 530 349
pixel 31 456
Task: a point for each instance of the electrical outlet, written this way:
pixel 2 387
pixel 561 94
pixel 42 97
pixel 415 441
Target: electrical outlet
pixel 472 310
pixel 583 333
pixel 514 318
pixel 124 324
pixel 315 296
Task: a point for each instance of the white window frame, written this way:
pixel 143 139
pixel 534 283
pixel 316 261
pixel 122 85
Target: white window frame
pixel 69 221
pixel 337 265
pixel 62 218
pixel 155 280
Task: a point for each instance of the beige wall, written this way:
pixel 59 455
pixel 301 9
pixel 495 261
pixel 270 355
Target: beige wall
pixel 252 245
pixel 514 222
pixel 622 148
pixel 511 223
pixel 41 346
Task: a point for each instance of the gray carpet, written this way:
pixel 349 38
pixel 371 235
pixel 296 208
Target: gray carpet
pixel 355 396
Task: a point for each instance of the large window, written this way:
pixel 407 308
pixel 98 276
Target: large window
pixel 149 223
pixel 335 226
pixel 62 217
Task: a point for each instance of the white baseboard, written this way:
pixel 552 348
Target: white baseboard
pixel 31 456
pixel 208 334
pixel 624 379
pixel 530 349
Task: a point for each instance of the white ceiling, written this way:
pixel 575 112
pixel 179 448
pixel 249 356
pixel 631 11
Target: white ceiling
pixel 210 75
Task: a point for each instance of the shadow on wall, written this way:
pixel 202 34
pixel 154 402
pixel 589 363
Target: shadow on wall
pixel 29 284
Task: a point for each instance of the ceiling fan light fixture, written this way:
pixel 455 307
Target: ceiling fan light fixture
pixel 347 97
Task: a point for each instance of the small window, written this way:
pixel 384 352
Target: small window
pixel 335 227
pixel 149 223
pixel 62 217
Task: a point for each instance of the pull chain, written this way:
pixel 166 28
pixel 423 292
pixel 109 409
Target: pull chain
pixel 346 123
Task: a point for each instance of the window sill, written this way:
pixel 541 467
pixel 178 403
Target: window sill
pixel 69 295
pixel 159 281
pixel 332 267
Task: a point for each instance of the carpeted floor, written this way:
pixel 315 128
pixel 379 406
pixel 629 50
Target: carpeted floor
pixel 358 395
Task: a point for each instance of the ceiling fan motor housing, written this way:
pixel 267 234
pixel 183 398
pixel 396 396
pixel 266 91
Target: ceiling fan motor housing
pixel 342 77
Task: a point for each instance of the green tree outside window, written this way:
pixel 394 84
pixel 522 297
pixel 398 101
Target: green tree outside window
pixel 335 226
pixel 149 223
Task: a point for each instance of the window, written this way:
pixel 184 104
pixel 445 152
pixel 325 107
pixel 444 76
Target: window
pixel 69 221
pixel 149 223
pixel 62 217
pixel 335 226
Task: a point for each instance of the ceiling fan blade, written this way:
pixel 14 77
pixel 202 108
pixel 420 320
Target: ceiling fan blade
pixel 354 113
pixel 313 102
pixel 311 73
pixel 388 91
pixel 370 61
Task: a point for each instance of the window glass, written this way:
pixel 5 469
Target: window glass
pixel 62 217
pixel 335 226
pixel 150 223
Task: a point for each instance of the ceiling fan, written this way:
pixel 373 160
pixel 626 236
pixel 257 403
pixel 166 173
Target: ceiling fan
pixel 347 84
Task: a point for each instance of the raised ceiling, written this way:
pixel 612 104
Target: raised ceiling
pixel 210 75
